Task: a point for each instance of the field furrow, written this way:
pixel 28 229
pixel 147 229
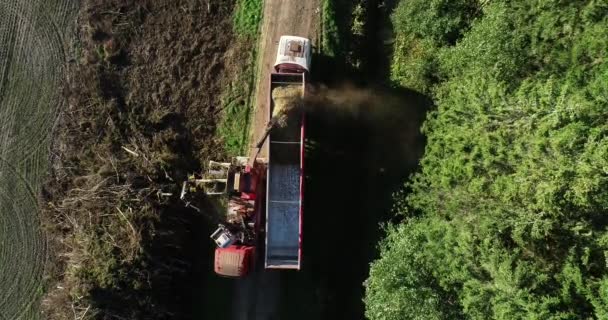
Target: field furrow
pixel 32 52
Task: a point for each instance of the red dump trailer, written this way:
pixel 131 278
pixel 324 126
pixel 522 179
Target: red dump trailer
pixel 285 175
pixel 284 189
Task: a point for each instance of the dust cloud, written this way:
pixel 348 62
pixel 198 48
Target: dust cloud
pixel 389 118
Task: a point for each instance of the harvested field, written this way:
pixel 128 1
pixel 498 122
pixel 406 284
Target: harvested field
pixel 33 37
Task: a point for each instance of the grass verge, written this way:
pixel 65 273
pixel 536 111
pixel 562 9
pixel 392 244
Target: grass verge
pixel 237 99
pixel 247 17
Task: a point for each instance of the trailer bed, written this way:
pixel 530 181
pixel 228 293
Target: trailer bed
pixel 284 184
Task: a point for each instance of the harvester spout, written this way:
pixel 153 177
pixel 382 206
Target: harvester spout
pixel 258 146
pixel 287 101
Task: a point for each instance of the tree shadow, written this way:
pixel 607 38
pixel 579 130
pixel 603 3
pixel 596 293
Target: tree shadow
pixel 362 144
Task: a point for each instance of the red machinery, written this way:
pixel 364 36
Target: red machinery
pixel 242 193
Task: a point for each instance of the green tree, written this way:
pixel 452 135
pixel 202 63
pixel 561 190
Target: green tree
pixel 422 29
pixel 508 216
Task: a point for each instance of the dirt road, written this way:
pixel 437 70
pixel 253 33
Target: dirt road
pixel 258 296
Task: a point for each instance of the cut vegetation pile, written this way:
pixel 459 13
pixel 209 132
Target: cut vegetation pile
pixel 142 103
pixel 286 100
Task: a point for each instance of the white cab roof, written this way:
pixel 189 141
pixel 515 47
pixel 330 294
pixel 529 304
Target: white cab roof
pixel 294 50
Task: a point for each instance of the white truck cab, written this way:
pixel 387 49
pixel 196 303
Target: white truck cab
pixel 293 55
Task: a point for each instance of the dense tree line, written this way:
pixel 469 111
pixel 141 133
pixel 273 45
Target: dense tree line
pixel 508 216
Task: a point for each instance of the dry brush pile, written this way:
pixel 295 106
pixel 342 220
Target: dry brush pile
pixel 141 114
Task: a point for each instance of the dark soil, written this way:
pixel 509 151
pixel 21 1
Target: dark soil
pixel 143 98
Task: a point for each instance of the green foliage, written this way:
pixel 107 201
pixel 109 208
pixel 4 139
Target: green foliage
pixel 507 218
pixel 422 29
pixel 441 21
pixel 492 46
pixel 344 32
pixel 358 20
pixel 416 68
pixel 330 34
pixel 237 103
pixel 238 97
pixel 247 17
pixel 401 284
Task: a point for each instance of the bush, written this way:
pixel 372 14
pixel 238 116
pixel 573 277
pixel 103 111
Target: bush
pixel 441 21
pixel 423 28
pixel 418 67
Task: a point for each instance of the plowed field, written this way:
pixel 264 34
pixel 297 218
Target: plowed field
pixel 32 51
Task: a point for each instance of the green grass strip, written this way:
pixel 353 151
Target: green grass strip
pixel 247 17
pixel 239 97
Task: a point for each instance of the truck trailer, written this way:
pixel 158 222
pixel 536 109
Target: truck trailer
pixel 285 176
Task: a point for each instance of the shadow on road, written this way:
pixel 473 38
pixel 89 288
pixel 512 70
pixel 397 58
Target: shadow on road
pixel 362 144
